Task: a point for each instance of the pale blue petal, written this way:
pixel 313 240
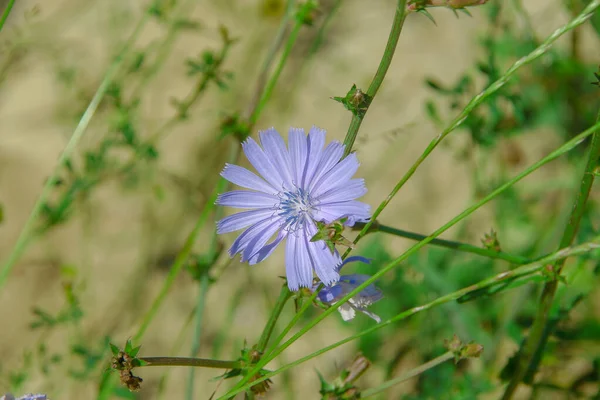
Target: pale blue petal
pixel 259 240
pixel 338 175
pixel 261 162
pixel 353 189
pixel 242 220
pixel 247 199
pixel 330 157
pixel 304 266
pixel 316 141
pixel 291 270
pixel 298 153
pixel 323 261
pixel 354 210
pixel 275 149
pixel 268 249
pixel 368 295
pixel 241 242
pixel 244 178
pixel 353 259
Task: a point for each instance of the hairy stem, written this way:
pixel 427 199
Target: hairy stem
pixel 188 362
pixel 476 101
pixel 465 247
pixel 537 340
pixel 408 375
pixel 384 64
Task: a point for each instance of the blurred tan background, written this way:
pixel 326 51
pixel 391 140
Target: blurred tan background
pixel 120 242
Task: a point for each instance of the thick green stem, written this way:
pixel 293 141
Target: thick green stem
pixel 188 362
pixel 520 272
pixel 476 101
pixel 465 247
pixel 407 375
pixel 384 64
pixel 537 340
pixel 284 296
pixel 6 12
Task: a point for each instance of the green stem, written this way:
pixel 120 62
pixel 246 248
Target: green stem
pixel 27 230
pixel 266 95
pixel 6 12
pixel 284 296
pixel 203 289
pixel 393 264
pixel 476 101
pixel 266 66
pixel 183 255
pixel 536 267
pixel 537 340
pixel 188 362
pixel 468 248
pixel 407 375
pixel 384 64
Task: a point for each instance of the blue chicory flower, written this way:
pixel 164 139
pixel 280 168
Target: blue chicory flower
pixel 300 185
pixel 347 283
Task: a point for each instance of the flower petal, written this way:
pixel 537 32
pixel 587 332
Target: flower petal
pixel 353 259
pixel 242 220
pixel 316 141
pixel 268 249
pixel 330 157
pixel 260 239
pixel 298 153
pixel 261 162
pixel 354 210
pixel 247 199
pixel 337 176
pixel 242 241
pixel 353 189
pixel 323 261
pixel 291 268
pixel 275 149
pixel 246 179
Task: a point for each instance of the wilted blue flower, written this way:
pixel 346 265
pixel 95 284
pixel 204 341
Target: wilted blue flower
pixel 302 184
pixel 347 283
pixel 29 396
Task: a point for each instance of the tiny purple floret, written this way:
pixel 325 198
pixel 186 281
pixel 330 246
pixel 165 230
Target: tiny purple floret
pixel 299 185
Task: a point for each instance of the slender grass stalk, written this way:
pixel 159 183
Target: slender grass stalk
pixel 6 13
pixel 535 268
pixel 188 362
pixel 384 64
pixel 186 251
pixel 407 375
pixel 268 90
pixel 266 66
pixel 537 340
pixel 284 296
pixel 202 291
pixel 477 100
pixel 395 263
pixel 28 229
pixel 464 247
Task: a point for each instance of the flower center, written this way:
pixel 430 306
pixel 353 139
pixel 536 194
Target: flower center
pixel 295 207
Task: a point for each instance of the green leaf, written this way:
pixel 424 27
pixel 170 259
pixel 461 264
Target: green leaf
pixel 114 349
